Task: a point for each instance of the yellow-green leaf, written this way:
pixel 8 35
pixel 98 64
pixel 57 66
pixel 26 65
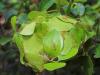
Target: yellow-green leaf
pixel 28 29
pixel 53 43
pixel 19 42
pixel 54 65
pixel 70 48
pixel 57 24
pixel 13 22
pixel 33 52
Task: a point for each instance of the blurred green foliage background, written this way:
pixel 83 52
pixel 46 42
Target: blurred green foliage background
pixel 9 54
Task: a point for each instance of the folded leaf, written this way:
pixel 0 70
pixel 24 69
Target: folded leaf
pixel 13 22
pixel 33 52
pixel 28 29
pixel 53 43
pixel 19 42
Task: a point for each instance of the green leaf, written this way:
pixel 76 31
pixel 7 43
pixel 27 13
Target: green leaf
pixel 19 42
pixel 4 40
pixel 78 35
pixel 53 43
pixel 72 43
pixel 96 5
pixel 45 4
pixel 35 61
pixel 97 51
pixel 87 21
pixel 28 29
pixel 61 3
pixel 33 52
pixel 22 18
pixel 87 65
pixel 13 22
pixel 33 15
pixel 2 6
pixel 90 35
pixel 80 1
pixel 32 44
pixel 59 25
pixel 69 54
pixel 54 65
pixel 41 29
pixel 9 13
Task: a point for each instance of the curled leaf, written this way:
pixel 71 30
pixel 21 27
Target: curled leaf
pixel 28 29
pixel 53 43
